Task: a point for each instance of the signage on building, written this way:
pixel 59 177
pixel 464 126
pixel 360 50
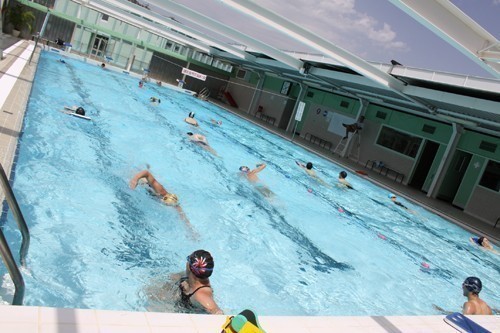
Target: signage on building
pixel 300 111
pixel 194 74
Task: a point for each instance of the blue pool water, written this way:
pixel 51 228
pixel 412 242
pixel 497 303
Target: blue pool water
pixel 308 250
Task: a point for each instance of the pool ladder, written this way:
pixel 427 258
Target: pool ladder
pixel 7 257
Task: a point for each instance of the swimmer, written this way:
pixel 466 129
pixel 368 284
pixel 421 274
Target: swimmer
pixel 103 65
pixel 155 100
pixel 343 182
pixel 62 61
pixel 201 140
pixel 484 243
pixel 167 198
pixel 474 306
pixel 252 177
pixel 158 83
pixel 215 122
pixel 394 200
pixel 141 84
pixel 308 168
pixel 194 285
pixel 190 119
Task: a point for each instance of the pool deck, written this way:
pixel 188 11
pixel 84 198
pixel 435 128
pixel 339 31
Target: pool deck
pixel 16 77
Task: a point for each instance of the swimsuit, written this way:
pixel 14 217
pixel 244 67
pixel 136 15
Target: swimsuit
pixel 185 300
pixel 400 204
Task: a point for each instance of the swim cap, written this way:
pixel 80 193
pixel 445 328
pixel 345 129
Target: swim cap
pixel 473 284
pixel 191 114
pixel 390 196
pixel 480 241
pixel 80 111
pixel 309 165
pixel 189 133
pixel 170 199
pixel 201 264
pixel 343 174
pixel 244 168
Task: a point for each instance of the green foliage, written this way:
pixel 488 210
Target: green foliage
pixel 20 17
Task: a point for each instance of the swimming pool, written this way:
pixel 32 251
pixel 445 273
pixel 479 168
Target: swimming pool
pixel 308 250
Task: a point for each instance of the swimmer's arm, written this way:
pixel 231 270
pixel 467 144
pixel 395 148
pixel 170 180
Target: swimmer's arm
pixel 143 174
pixel 186 220
pixel 205 298
pixel 300 164
pixel 259 168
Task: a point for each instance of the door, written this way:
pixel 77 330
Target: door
pixel 454 176
pixel 424 164
pixel 99 47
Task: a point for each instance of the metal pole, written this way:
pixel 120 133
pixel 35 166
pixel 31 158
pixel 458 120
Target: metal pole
pixel 18 216
pixel 14 272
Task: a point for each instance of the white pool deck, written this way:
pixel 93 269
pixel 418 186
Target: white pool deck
pixel 16 77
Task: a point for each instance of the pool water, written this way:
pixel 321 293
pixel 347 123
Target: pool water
pixel 309 249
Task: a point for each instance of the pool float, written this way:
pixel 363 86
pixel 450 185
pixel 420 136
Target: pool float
pixel 72 112
pixel 361 172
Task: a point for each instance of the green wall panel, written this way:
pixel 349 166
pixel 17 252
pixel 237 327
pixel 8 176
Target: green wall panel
pixel 470 141
pixel 474 171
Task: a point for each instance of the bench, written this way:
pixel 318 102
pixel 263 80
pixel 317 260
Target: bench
pixel 317 140
pixel 265 117
pixel 384 170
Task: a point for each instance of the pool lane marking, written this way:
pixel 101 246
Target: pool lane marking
pixel 10 77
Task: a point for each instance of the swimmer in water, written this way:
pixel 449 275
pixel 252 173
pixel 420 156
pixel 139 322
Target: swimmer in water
pixel 190 119
pixel 308 168
pixel 252 177
pixel 484 243
pixel 343 182
pixel 166 197
pixel 201 141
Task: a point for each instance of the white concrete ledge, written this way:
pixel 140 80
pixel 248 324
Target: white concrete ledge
pixel 30 319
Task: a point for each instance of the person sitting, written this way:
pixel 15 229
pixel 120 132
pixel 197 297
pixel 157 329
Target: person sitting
pixel 484 243
pixel 190 119
pixel 166 197
pixel 201 140
pixel 474 306
pixel 353 128
pixel 196 293
pixel 59 42
pixel 343 182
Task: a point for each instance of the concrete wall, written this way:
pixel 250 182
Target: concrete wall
pixel 483 204
pixel 242 92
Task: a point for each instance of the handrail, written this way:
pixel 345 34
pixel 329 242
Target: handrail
pixel 14 272
pixel 18 216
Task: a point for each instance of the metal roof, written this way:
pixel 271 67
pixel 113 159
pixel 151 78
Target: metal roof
pixel 470 101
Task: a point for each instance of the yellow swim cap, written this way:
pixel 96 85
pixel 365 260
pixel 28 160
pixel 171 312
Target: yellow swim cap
pixel 170 199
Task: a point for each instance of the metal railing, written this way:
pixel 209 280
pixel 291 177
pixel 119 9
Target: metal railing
pixel 7 257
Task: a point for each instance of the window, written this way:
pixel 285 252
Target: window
pixel 285 88
pixel 491 176
pixel 381 115
pixel 105 17
pixel 398 141
pixel 488 146
pixel 344 104
pixel 429 129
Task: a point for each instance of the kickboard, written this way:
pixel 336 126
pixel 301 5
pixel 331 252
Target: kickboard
pixel 464 324
pixel 72 113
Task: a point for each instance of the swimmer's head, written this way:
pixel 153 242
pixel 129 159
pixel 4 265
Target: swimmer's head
pixel 472 284
pixel 481 240
pixel 309 166
pixel 201 264
pixel 342 174
pixel 391 196
pixel 190 133
pixel 191 114
pixel 80 111
pixel 244 169
pixel 170 199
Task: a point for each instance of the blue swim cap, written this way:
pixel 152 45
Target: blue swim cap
pixel 390 196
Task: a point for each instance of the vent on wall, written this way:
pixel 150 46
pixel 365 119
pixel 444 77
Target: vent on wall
pixel 381 115
pixel 310 94
pixel 241 74
pixel 488 146
pixel 344 104
pixel 429 129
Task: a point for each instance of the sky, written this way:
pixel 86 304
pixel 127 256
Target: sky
pixel 374 30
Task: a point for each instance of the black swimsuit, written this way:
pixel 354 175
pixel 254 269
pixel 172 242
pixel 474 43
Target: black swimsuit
pixel 185 300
